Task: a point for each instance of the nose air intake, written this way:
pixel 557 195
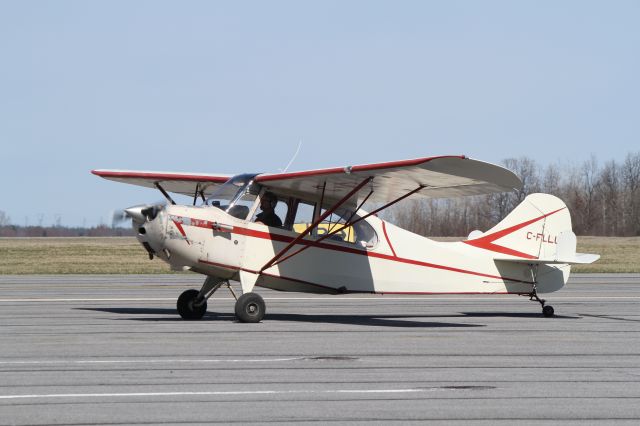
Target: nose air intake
pixel 151 212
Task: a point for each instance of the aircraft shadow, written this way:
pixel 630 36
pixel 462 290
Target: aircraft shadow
pixel 513 315
pixel 320 318
pixel 133 311
pixel 168 315
pixel 401 321
pixel 370 320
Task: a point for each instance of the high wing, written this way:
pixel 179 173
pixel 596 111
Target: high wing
pixel 434 177
pixel 180 183
pixel 438 177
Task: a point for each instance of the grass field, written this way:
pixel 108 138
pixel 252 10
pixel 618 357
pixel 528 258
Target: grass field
pixel 83 255
pixel 617 254
pixel 123 255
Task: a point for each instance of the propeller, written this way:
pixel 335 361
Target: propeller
pixel 138 213
pixel 118 217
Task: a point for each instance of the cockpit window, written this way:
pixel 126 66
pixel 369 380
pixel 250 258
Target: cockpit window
pixel 334 224
pixel 364 234
pixel 361 233
pixel 241 206
pixel 236 196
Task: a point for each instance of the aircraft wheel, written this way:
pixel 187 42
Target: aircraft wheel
pixel 547 311
pixel 186 307
pixel 250 307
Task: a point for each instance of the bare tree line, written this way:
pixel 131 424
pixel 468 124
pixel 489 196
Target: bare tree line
pixel 8 230
pixel 602 199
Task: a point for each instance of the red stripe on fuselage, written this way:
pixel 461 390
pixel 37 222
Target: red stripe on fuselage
pixel 335 247
pixel 384 230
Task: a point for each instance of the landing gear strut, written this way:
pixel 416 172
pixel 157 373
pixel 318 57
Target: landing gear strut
pixel 547 310
pixel 192 304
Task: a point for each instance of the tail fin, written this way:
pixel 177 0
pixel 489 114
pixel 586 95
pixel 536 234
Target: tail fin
pixel 536 231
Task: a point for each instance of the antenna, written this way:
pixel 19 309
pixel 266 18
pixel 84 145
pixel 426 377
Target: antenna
pixel 294 156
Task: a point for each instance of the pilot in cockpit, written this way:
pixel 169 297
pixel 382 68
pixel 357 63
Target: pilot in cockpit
pixel 267 216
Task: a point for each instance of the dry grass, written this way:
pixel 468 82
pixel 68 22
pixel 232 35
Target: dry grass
pixel 83 255
pixel 617 254
pixel 123 255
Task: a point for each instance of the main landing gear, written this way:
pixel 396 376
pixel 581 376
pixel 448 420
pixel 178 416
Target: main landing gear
pixel 192 304
pixel 250 307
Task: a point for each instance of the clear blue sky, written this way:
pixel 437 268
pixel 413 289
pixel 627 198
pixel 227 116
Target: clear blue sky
pixel 232 86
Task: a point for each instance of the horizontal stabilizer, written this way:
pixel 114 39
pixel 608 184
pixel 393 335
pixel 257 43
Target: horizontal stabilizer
pixel 564 253
pixel 577 258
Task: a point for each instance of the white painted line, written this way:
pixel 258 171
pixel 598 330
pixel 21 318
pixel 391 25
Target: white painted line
pixel 380 391
pixel 98 299
pixel 142 361
pixel 478 298
pixel 211 393
pixel 595 297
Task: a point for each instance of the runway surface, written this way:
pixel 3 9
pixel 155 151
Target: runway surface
pixel 112 350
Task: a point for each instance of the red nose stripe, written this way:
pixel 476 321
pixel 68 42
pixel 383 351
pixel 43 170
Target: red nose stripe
pixel 181 229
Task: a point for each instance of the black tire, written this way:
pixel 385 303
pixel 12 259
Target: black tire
pixel 547 311
pixel 250 307
pixel 187 310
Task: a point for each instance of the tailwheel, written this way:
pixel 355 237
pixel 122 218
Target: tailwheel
pixel 250 307
pixel 189 307
pixel 547 310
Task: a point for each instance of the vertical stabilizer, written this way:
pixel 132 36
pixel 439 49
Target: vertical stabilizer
pixel 535 229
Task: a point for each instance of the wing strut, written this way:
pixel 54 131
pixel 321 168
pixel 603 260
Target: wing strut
pixel 195 195
pixel 167 196
pixel 349 223
pixel 315 223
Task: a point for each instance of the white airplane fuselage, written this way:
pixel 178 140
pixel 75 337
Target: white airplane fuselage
pixel 209 241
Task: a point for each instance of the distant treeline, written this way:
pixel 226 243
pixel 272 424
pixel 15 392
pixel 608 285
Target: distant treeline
pixel 62 231
pixel 602 199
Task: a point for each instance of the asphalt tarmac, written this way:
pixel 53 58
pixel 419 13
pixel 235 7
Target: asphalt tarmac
pixel 112 350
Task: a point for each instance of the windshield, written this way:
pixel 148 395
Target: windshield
pixel 226 196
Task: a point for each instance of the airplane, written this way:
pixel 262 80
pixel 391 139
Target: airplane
pixel 323 241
